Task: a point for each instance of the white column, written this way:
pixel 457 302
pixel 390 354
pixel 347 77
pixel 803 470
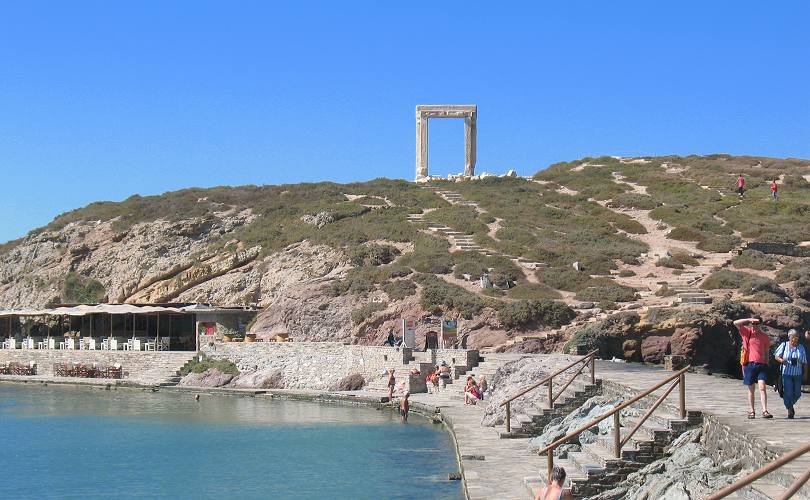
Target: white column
pixel 470 130
pixel 421 145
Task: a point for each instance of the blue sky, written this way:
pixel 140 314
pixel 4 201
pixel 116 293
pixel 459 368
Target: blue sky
pixel 100 100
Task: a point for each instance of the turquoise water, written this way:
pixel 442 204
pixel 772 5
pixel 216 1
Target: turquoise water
pixel 62 442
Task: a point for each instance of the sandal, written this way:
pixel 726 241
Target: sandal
pixel 752 415
pixel 766 414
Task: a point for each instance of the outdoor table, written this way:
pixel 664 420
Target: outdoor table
pixel 28 343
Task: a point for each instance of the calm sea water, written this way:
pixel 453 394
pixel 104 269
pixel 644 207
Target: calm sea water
pixel 61 442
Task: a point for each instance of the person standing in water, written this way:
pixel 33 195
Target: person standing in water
pixel 405 406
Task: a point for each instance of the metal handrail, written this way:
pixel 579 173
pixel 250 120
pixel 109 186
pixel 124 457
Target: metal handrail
pixel 549 380
pixel 767 469
pixel 618 442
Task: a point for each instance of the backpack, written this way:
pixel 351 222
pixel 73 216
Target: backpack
pixel 744 351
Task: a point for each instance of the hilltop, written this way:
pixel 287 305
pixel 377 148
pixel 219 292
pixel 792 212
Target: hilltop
pixel 570 244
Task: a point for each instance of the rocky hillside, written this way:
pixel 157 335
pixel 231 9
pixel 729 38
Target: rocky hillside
pixel 343 262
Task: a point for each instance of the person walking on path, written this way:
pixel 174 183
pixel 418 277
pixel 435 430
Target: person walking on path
pixel 754 361
pixel 775 190
pixel 741 185
pixel 555 490
pixel 793 358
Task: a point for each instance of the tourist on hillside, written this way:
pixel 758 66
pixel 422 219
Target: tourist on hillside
pixel 775 190
pixel 793 358
pixel 482 387
pixel 754 361
pixel 741 185
pixel 555 490
pixel 471 392
pixel 391 383
pixel 405 406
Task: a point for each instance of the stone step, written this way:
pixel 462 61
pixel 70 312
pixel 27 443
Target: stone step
pixel 696 300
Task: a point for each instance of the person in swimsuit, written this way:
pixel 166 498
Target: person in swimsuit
pixel 555 490
pixel 444 375
pixel 391 383
pixel 405 406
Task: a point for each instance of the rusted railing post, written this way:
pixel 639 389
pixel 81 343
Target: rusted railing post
pixel 550 394
pixel 593 369
pixel 682 394
pixel 549 465
pixel 617 436
pixel 508 423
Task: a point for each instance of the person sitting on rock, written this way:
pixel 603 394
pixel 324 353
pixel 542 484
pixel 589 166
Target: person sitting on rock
pixel 754 361
pixel 391 340
pixel 554 490
pixel 482 387
pixel 471 393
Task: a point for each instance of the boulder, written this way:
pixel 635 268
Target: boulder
pixel 353 382
pixel 630 349
pixel 654 348
pixel 267 378
pixel 209 378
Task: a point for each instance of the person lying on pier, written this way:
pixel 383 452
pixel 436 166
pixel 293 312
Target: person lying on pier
pixel 555 490
pixel 754 360
pixel 405 406
pixel 793 358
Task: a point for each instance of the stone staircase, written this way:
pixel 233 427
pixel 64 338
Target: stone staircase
pixel 596 469
pixel 463 241
pixel 424 362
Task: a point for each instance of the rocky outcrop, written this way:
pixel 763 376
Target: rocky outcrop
pixel 209 378
pixel 353 382
pixel 266 378
pixel 508 380
pixel 687 472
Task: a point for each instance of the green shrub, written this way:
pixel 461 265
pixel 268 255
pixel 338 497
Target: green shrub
pixel 78 289
pixel 493 292
pixel 723 278
pixel 719 243
pixel 668 262
pixel 372 255
pixel 685 234
pixel 629 225
pixel 757 285
pixel 437 293
pixel 197 366
pixel 684 258
pixel 731 309
pixel 358 281
pixel 801 288
pixel 600 336
pixel 665 291
pixel 607 305
pixel 767 297
pixel 399 289
pixel 633 200
pixel 364 312
pixel 613 292
pixel 533 291
pixel 394 271
pixel 567 278
pixel 626 273
pixel 548 312
pixel 793 271
pixel 753 259
pixel 431 255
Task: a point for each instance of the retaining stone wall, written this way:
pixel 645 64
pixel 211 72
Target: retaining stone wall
pixel 779 249
pixel 319 365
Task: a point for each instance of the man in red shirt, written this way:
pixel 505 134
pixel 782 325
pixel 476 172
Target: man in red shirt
pixel 775 190
pixel 755 370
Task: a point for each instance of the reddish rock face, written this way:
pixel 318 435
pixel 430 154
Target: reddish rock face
pixel 685 341
pixel 654 347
